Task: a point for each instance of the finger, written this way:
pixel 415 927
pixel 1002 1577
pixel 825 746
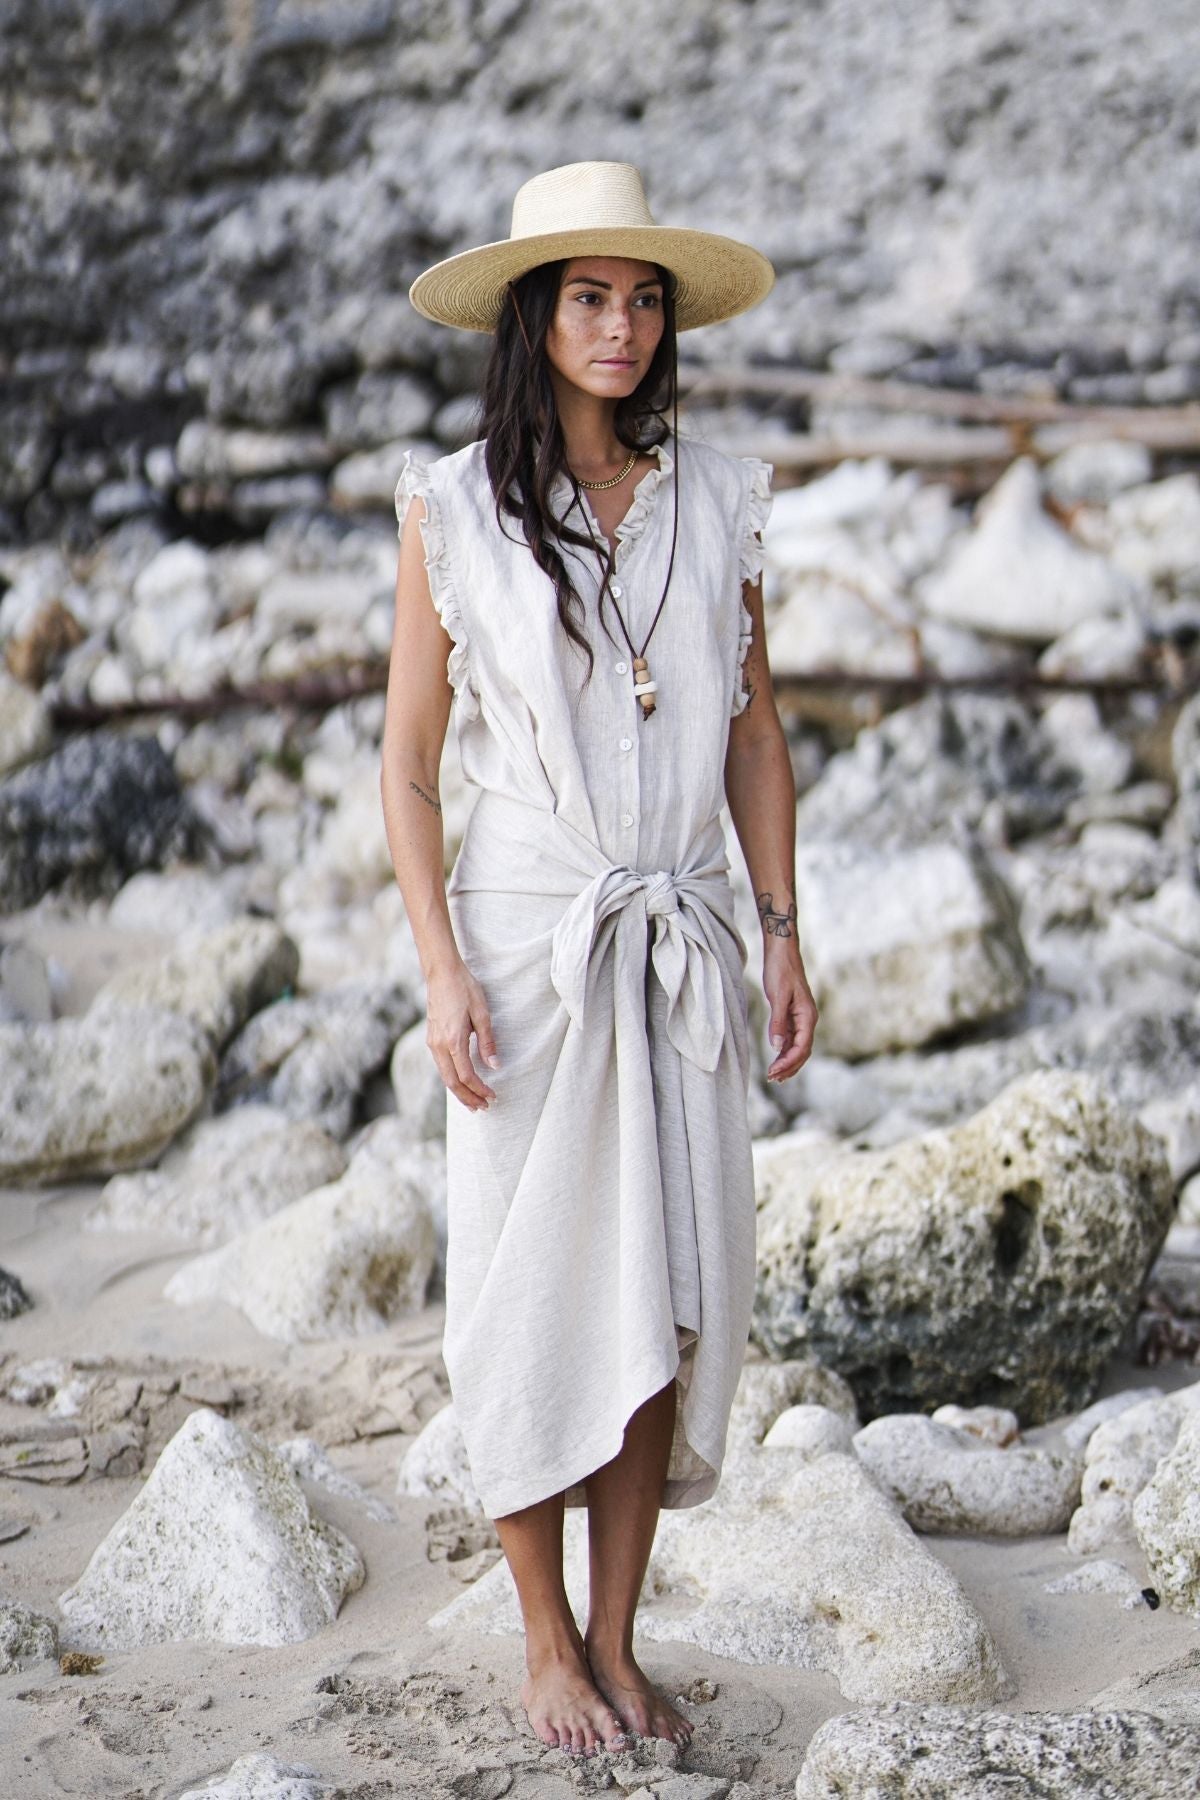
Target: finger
pixel 798 1046
pixel 482 1021
pixel 449 1075
pixel 467 1073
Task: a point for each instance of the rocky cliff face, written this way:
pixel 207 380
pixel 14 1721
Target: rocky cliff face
pixel 214 207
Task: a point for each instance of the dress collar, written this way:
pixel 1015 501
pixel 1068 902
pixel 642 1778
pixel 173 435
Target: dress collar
pixel 641 506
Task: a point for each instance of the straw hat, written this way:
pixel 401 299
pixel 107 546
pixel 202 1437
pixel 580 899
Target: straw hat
pixel 593 209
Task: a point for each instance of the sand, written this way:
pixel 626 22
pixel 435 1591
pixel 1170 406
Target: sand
pixel 377 1703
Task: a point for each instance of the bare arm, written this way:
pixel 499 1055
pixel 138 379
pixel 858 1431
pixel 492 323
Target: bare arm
pixel 761 791
pixel 417 713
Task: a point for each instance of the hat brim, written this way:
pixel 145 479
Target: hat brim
pixel 717 277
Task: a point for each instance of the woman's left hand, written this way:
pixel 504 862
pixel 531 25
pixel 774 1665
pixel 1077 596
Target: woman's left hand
pixel 793 1010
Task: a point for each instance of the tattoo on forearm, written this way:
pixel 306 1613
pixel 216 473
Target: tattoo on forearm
pixel 779 924
pixel 428 798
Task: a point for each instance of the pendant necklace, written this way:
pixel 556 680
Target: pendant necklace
pixel 643 686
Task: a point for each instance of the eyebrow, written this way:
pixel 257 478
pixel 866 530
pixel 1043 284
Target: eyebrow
pixel 595 281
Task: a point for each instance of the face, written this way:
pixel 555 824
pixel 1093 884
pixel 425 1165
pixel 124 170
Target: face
pixel 607 324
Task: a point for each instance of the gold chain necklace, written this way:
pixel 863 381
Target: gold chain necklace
pixel 613 480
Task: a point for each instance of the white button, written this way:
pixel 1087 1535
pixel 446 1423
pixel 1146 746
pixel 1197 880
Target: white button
pixel 627 743
pixel 615 588
pixel 627 818
pixel 621 667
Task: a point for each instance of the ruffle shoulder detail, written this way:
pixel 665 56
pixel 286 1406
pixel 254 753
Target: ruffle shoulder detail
pixel 750 565
pixel 416 480
pixel 758 508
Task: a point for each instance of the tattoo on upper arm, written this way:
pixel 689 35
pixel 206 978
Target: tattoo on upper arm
pixel 428 798
pixel 779 924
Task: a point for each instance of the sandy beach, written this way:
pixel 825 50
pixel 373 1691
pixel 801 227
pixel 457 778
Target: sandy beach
pixel 377 1703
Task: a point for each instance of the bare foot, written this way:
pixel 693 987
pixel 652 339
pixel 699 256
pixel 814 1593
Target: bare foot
pixel 565 1707
pixel 635 1696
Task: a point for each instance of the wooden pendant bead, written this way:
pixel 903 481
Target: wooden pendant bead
pixel 639 662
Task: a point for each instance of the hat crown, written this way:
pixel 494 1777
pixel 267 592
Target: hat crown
pixel 579 197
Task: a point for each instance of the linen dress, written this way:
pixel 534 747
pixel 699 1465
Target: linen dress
pixel 601 1218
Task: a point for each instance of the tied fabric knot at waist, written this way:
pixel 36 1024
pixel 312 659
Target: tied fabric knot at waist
pixel 681 953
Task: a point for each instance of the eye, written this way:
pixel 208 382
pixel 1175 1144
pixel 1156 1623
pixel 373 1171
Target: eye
pixel 588 294
pixel 649 300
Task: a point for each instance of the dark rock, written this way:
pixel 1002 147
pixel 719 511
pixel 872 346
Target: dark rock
pixel 941 760
pixel 90 815
pixel 13 1298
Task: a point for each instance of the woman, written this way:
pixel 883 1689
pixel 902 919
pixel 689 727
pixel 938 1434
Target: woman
pixel 583 587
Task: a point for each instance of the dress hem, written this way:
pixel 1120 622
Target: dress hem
pixel 670 1502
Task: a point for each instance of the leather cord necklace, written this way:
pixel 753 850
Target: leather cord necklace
pixel 643 686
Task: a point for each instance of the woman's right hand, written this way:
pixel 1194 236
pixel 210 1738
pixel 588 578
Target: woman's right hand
pixel 455 1007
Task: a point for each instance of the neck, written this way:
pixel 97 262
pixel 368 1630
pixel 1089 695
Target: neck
pixel 587 427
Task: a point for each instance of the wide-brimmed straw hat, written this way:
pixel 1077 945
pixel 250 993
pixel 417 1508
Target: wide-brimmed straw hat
pixel 593 209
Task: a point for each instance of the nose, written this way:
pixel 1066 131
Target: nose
pixel 620 320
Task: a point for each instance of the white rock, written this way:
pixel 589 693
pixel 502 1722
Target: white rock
pixel 111 682
pixel 1189 1202
pixel 816 1430
pixel 1106 649
pixel 311 1054
pixel 956 651
pixel 219 1545
pixel 1101 1576
pixel 851 491
pixel 92 1095
pixel 368 477
pixel 1076 732
pixel 296 598
pixel 156 632
pixel 217 980
pixel 216 453
pixel 1121 1457
pixel 1153 532
pixel 435 1463
pixel 344 1260
pixel 260 1776
pixel 25 1636
pixel 1175 1118
pixel 950 1753
pixel 865 1602
pixel 840 610
pixel 766 1390
pixel 1020 575
pixel 903 944
pixel 1047 1208
pixel 180 901
pixel 421 1094
pixel 179 567
pixel 312 1462
pixel 1078 1431
pixel 223 1176
pixel 1096 470
pixel 26 729
pixel 994 1425
pixel 1166 1519
pixel 948 1480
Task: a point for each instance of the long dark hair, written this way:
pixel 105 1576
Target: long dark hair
pixel 524 448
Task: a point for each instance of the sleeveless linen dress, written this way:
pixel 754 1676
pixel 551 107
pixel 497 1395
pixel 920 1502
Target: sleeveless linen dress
pixel 601 1218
